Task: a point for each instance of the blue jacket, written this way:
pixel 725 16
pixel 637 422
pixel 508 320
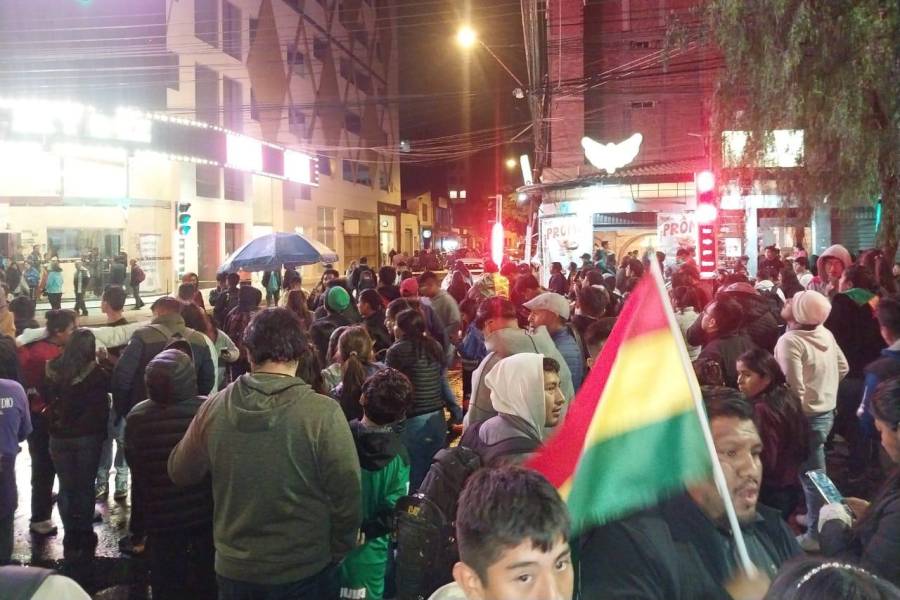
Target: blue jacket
pixel 571 353
pixel 54 282
pixel 877 371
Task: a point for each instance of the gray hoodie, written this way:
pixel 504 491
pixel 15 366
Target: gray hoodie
pixel 507 342
pixel 820 282
pixel 285 474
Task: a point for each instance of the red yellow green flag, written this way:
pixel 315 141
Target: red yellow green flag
pixel 633 434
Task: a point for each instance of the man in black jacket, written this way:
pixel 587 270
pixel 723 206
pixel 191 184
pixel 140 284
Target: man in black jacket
pixel 337 300
pixel 725 338
pixel 178 520
pixel 683 548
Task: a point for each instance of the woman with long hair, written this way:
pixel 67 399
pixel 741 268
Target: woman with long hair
pixel 249 299
pixel 296 303
pixel 421 358
pixel 788 283
pixel 76 392
pixel 782 427
pixel 357 365
pixel 870 536
pixel 221 347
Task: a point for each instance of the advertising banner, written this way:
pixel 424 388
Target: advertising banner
pixel 674 231
pixel 564 239
pixel 149 259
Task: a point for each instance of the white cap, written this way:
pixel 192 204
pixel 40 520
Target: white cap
pixel 550 301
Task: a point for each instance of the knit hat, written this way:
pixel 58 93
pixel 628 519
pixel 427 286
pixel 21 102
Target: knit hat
pixel 337 299
pixel 409 287
pixel 810 308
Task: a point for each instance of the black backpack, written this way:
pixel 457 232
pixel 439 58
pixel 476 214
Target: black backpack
pixel 426 520
pixel 365 280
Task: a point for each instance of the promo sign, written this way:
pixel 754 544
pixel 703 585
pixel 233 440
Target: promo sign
pixel 674 231
pixel 564 239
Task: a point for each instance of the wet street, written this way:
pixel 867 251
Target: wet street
pixel 111 575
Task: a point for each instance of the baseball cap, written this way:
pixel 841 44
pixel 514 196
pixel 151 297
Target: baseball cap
pixel 337 299
pixel 409 287
pixel 549 301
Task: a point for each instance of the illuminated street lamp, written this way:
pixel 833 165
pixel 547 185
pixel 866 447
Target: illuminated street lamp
pixel 466 37
pixel 511 163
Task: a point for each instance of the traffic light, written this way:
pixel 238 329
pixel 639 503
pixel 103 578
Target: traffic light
pixel 706 215
pixel 183 218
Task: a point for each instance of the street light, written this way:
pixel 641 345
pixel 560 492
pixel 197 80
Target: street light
pixel 511 163
pixel 466 37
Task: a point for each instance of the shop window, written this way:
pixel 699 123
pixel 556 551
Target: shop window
pixel 68 243
pixel 234 185
pixel 231 30
pixel 206 21
pixel 325 222
pixel 208 181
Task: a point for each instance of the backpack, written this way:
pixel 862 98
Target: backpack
pixel 426 520
pixel 366 280
pixel 140 276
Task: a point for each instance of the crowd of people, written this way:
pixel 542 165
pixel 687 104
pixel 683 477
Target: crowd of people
pixel 276 440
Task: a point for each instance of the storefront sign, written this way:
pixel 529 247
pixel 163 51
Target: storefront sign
pixel 63 119
pixel 674 231
pixel 564 239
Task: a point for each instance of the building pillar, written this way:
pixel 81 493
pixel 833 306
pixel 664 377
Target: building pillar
pixel 821 229
pixel 565 56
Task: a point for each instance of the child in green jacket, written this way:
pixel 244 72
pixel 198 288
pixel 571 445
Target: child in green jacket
pixel 386 396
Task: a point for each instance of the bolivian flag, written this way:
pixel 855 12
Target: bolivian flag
pixel 632 435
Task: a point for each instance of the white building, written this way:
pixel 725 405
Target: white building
pixel 312 77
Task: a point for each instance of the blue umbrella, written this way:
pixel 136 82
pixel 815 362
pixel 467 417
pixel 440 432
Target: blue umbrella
pixel 272 251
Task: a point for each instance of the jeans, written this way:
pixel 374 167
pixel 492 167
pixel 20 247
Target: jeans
pixel 136 289
pixel 55 301
pixel 42 471
pixel 324 585
pixel 450 400
pixel 76 461
pixel 117 433
pixel 80 306
pixel 6 537
pixel 819 427
pixel 181 564
pixel 423 436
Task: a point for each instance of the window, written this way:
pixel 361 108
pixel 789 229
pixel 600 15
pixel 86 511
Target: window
pixel 297 120
pixel 206 88
pixel 346 69
pixel 292 192
pixel 352 123
pixel 364 82
pixel 362 37
pixel 425 211
pixel 295 4
pixel 234 105
pixel 325 222
pixel 362 175
pixel 254 25
pixel 324 165
pixel 206 21
pixel 643 104
pixel 231 30
pixel 73 243
pixel 208 184
pixel 347 167
pixel 320 48
pixel 295 59
pixel 234 185
pixel 254 107
pixel 644 44
pixel 379 50
pixel 383 182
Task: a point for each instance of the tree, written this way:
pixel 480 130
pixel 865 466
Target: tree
pixel 831 68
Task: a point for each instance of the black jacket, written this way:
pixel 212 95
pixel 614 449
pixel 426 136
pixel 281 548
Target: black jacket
pixel 874 542
pixel 856 331
pixel 9 359
pixel 672 552
pixel 320 332
pixel 128 376
pixel 423 371
pixel 81 409
pixel 377 331
pixel 152 430
pixel 759 322
pixel 725 351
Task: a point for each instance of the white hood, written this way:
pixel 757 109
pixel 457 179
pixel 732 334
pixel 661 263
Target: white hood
pixel 517 388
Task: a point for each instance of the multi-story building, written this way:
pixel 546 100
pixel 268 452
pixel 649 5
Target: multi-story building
pixel 263 115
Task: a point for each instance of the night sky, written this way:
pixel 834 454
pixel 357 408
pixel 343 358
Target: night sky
pixel 446 115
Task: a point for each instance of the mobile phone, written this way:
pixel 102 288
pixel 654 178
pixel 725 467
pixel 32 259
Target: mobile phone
pixel 826 487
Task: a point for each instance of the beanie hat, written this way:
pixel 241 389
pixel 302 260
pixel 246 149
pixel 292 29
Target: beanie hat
pixel 409 287
pixel 337 299
pixel 810 307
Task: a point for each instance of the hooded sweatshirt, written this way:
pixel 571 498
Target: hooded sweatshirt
pixel 813 364
pixel 285 477
pixel 820 282
pixel 517 394
pixel 507 342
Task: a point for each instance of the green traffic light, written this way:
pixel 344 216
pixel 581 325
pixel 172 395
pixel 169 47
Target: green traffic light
pixel 184 230
pixel 184 219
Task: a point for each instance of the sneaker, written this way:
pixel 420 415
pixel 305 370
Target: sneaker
pixel 808 543
pixel 121 492
pixel 102 491
pixel 43 527
pixel 132 545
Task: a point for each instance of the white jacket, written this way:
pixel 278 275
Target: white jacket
pixel 813 365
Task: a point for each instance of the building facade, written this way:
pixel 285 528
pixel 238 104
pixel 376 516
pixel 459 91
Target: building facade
pixel 264 115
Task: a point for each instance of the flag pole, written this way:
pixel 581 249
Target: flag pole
pixel 718 475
